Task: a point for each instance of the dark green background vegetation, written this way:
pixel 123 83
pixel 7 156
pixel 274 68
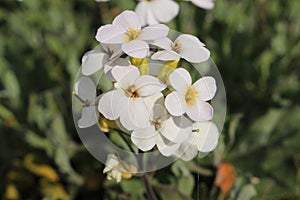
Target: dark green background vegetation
pixel 256 46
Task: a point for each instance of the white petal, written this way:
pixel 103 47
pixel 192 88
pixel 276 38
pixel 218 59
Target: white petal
pixel 127 19
pixel 111 162
pixel 152 100
pixel 111 104
pixel 176 129
pixel 175 104
pixel 89 117
pixel 206 4
pixel 165 55
pixel 136 48
pixel 148 85
pixel 113 50
pixel 206 87
pixel 200 112
pixel 154 32
pixel 192 49
pixel 165 10
pixel 207 137
pixel 135 115
pixel 180 80
pixel 166 147
pixel 164 43
pixel 110 34
pixel 116 72
pixel 144 139
pixel 158 111
pixel 142 10
pixel 93 61
pixel 125 77
pixel 186 151
pixel 85 89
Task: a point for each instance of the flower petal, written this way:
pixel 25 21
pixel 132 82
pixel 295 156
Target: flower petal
pixel 154 99
pixel 154 32
pixel 110 34
pixel 200 112
pixel 206 4
pixel 175 104
pixel 164 43
pixel 127 19
pixel 165 55
pixel 192 49
pixel 113 50
pixel 207 137
pixel 125 76
pixel 135 115
pixel 111 104
pixel 206 87
pixel 111 162
pixel 142 11
pixel 186 151
pixel 85 89
pixel 89 117
pixel 180 80
pixel 136 48
pixel 144 139
pixel 93 61
pixel 176 129
pixel 165 10
pixel 148 85
pixel 166 147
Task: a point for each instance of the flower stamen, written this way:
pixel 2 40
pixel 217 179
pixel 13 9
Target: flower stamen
pixel 132 92
pixel 131 34
pixel 190 96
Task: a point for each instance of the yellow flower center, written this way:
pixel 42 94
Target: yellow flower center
pixel 132 92
pixel 131 34
pixel 190 96
pixel 177 46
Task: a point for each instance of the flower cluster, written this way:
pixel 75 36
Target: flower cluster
pixel 159 107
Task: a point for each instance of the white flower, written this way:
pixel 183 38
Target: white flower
pixel 164 131
pixel 112 162
pixel 127 99
pixel 185 46
pixel 126 30
pixel 156 11
pixel 85 91
pixel 191 99
pixel 106 57
pixel 205 4
pixel 204 139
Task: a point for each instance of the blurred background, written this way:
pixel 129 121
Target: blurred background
pixel 256 46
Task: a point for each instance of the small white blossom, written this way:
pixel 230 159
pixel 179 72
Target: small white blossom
pixel 156 11
pixel 185 46
pixel 164 131
pixel 127 99
pixel 191 99
pixel 204 139
pixel 205 4
pixel 112 162
pixel 85 91
pixel 126 30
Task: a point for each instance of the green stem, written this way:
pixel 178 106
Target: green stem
pixel 149 189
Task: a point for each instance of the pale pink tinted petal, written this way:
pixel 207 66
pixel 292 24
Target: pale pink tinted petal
pixel 165 10
pixel 166 147
pixel 127 19
pixel 148 85
pixel 142 10
pixel 206 4
pixel 125 77
pixel 110 34
pixel 165 55
pixel 144 139
pixel 89 117
pixel 206 87
pixel 172 130
pixel 175 104
pixel 180 80
pixel 137 113
pixel 164 43
pixel 154 32
pixel 207 137
pixel 186 151
pixel 93 61
pixel 136 48
pixel 200 112
pixel 85 89
pixel 111 104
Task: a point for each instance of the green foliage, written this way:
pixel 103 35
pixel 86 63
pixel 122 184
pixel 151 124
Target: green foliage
pixel 256 46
